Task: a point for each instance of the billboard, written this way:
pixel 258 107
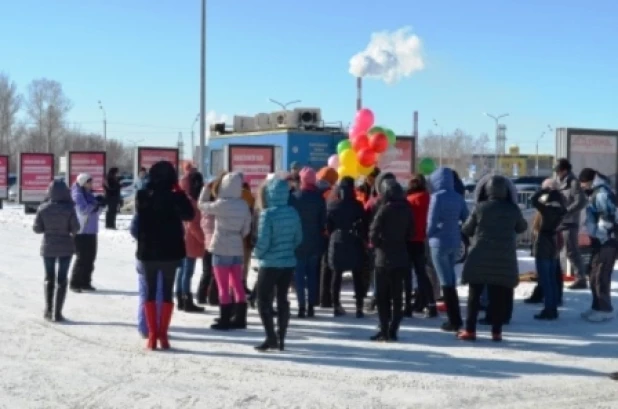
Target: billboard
pixel 35 173
pixel 92 163
pixel 255 162
pixel 145 157
pixel 400 160
pixel 4 177
pixel 589 148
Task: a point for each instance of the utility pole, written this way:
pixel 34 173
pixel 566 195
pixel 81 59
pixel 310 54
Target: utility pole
pixel 104 126
pixel 181 146
pixel 435 123
pixel 536 166
pixel 202 153
pixel 49 128
pixel 197 118
pixel 497 120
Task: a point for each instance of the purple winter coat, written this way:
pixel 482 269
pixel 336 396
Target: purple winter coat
pixel 87 210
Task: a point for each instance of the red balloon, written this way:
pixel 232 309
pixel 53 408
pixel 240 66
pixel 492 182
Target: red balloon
pixel 360 142
pixel 378 142
pixel 366 158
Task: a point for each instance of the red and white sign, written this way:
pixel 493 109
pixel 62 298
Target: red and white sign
pixel 36 171
pixel 92 163
pixel 596 152
pixel 4 177
pixel 400 160
pixel 254 162
pixel 146 157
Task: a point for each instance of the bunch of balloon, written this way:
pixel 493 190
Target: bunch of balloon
pixel 359 154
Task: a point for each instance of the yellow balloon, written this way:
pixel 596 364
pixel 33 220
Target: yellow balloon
pixel 348 159
pixel 365 171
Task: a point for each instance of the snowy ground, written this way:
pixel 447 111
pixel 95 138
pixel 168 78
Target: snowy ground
pixel 97 360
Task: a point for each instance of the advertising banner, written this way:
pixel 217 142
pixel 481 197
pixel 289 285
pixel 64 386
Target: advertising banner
pixel 36 171
pixel 401 160
pixel 145 157
pixel 4 177
pixel 255 162
pixel 92 163
pixel 594 151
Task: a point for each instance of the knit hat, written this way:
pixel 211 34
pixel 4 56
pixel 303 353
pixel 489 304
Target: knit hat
pixel 307 177
pixel 82 179
pixel 587 175
pixel 328 175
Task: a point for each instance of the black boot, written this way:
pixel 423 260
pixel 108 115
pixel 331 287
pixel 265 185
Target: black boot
pixel 61 293
pixel 180 302
pixel 283 319
pixel 223 324
pixel 50 287
pixel 189 306
pixel 359 308
pixel 453 311
pixel 213 292
pixel 310 312
pixel 239 321
pixel 302 312
pixel 536 297
pixel 202 289
pixel 408 310
pixel 547 315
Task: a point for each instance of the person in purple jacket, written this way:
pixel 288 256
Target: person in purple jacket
pixel 88 208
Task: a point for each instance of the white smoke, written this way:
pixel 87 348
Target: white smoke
pixel 212 118
pixel 389 56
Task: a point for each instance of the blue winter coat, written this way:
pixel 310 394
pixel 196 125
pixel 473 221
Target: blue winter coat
pixel 279 228
pixel 447 209
pixel 600 212
pixel 311 207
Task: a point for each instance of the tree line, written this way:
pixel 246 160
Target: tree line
pixel 36 121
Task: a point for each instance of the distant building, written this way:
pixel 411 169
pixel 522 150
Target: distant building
pixel 514 163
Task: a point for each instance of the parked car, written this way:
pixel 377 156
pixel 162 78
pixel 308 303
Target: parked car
pixel 13 193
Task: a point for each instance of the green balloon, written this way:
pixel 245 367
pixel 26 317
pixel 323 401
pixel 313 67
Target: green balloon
pixel 343 146
pixel 376 129
pixel 427 166
pixel 392 138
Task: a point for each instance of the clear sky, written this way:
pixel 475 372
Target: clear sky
pixel 542 61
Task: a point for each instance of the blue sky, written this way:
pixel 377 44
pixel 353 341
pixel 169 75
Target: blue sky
pixel 543 61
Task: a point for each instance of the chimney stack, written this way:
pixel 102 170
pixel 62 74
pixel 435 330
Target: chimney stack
pixel 359 93
pixel 415 125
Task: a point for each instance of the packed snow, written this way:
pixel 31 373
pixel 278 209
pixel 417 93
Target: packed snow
pixel 97 359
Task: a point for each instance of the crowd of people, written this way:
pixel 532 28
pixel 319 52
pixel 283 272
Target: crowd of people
pixel 305 229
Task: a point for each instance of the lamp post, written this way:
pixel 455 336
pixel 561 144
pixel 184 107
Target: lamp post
pixel 536 166
pixel 202 153
pixel 284 106
pixel 104 125
pixel 197 118
pixel 497 120
pixel 435 123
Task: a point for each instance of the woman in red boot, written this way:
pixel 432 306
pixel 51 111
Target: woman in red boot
pixel 161 209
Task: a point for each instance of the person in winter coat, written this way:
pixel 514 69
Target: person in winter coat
pixel 345 224
pixel 601 227
pixel 88 209
pixel 232 225
pixel 279 235
pixel 248 197
pixel 390 232
pixel 161 209
pixel 112 198
pixel 419 198
pixel 207 292
pixel 492 261
pixel 57 221
pixel 311 208
pixel 192 184
pixel 142 285
pixel 545 247
pixel 447 209
pixel 142 179
pixel 327 179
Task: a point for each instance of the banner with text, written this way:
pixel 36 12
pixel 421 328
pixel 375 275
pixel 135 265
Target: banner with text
pixel 36 171
pixel 255 162
pixel 147 156
pixel 401 160
pixel 92 163
pixel 4 177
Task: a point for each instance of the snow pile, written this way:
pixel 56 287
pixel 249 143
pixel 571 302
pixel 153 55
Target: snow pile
pixel 97 360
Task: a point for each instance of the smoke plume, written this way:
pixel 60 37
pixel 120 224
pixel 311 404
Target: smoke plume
pixel 389 56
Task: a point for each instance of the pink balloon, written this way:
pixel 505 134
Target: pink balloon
pixel 353 132
pixel 364 120
pixel 333 162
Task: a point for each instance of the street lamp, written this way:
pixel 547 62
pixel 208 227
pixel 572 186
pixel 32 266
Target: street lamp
pixel 497 120
pixel 536 166
pixel 435 123
pixel 197 118
pixel 284 106
pixel 104 125
pixel 202 155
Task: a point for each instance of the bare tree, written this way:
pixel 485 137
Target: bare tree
pixel 10 102
pixel 47 107
pixel 456 148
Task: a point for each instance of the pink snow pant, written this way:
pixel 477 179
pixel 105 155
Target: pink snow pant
pixel 229 275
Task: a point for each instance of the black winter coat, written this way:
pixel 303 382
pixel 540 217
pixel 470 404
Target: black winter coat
pixel 551 206
pixel 160 232
pixel 392 228
pixel 311 208
pixel 112 188
pixel 345 223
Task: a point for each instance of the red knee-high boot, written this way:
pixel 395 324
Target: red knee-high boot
pixel 150 312
pixel 166 318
